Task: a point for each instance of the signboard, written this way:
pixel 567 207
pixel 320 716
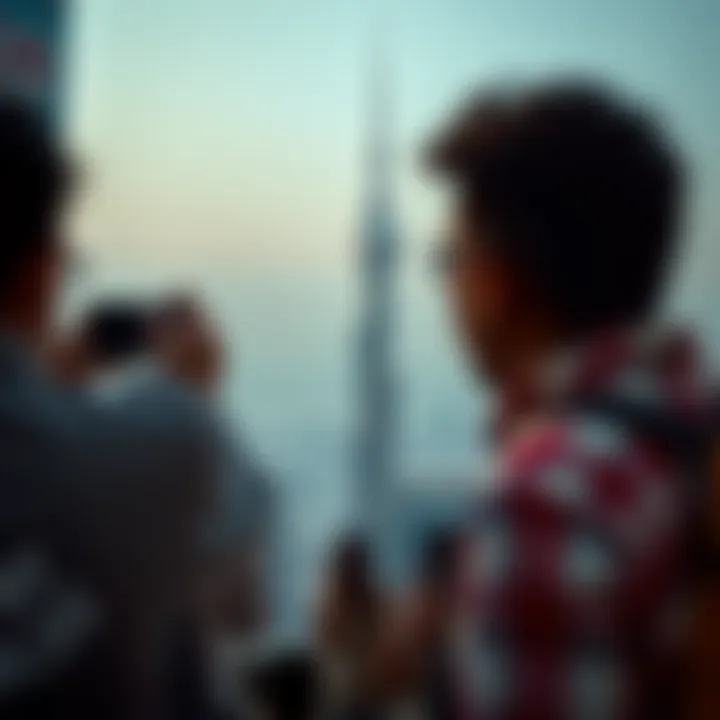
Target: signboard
pixel 31 53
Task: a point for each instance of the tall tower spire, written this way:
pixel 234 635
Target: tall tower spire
pixel 377 436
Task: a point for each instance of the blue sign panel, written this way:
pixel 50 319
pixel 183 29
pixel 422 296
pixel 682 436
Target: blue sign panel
pixel 31 33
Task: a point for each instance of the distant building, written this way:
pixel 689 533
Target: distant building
pixel 398 515
pixel 376 450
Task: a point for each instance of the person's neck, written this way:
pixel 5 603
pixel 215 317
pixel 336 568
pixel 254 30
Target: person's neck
pixel 529 352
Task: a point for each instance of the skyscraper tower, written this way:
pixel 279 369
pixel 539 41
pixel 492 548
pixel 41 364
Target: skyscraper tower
pixel 376 466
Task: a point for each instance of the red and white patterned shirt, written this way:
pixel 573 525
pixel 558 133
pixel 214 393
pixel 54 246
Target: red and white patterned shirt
pixel 570 575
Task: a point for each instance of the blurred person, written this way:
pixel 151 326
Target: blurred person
pixel 568 208
pixel 410 672
pixel 232 588
pixel 101 503
pixel 238 587
pixel 350 620
pixel 436 594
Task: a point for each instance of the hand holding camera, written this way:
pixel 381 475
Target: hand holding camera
pixel 182 337
pixel 176 333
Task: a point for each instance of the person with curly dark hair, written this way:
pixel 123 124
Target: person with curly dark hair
pixel 569 201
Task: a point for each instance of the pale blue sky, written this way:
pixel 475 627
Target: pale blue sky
pixel 225 138
pixel 232 130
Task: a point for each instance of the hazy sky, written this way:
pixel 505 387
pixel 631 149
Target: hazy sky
pixel 231 130
pixel 226 137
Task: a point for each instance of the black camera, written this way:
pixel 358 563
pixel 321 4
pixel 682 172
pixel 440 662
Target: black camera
pixel 118 331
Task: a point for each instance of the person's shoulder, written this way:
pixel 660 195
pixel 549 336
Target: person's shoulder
pixel 160 403
pixel 45 411
pixel 586 468
pixel 155 424
pixel 579 436
pixel 159 437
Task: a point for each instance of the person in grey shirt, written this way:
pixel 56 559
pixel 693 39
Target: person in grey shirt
pixel 101 504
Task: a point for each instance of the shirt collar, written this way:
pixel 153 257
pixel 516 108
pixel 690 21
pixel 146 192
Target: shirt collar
pixel 570 372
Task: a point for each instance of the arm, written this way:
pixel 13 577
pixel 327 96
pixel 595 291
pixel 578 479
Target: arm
pixel 398 659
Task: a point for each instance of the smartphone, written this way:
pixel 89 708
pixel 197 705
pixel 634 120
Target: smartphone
pixel 118 331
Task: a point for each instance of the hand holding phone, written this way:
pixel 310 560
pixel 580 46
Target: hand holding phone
pixel 183 339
